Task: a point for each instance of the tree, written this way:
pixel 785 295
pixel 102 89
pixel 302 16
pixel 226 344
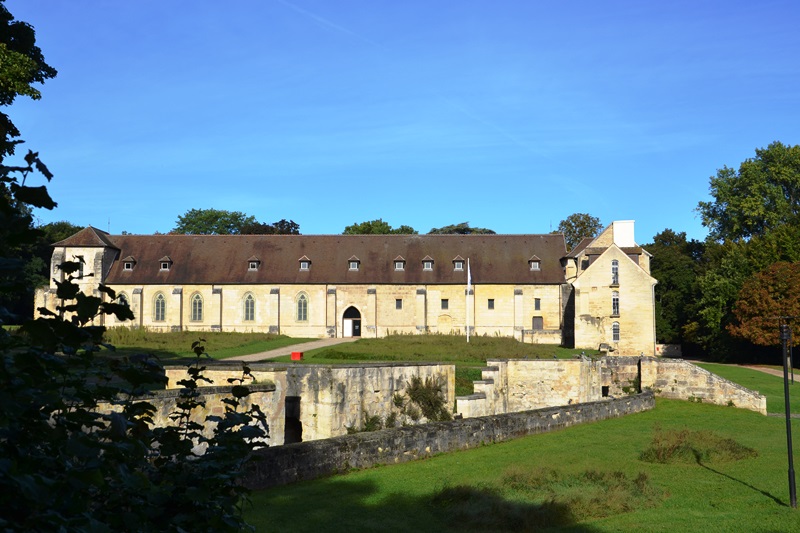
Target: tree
pixel 212 222
pixel 577 227
pixel 761 196
pixel 771 293
pixel 675 264
pixel 377 227
pixel 21 65
pixel 460 229
pixel 281 227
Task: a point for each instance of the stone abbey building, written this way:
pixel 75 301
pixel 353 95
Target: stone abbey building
pixel 523 286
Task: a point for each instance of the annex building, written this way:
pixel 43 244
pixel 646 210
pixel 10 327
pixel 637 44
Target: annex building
pixel 523 286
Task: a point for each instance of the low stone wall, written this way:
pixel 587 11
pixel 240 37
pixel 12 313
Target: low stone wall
pixel 165 402
pixel 675 378
pixel 310 460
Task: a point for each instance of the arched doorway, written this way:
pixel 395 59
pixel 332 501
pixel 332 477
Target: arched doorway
pixel 351 323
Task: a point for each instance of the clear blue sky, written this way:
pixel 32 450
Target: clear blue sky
pixel 511 115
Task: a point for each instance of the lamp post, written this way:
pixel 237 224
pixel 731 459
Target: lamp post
pixel 786 334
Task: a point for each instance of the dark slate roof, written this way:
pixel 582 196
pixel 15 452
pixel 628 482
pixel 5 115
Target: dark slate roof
pixel 88 237
pixel 586 241
pixel 225 259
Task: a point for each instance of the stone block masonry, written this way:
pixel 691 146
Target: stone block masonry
pixel 310 460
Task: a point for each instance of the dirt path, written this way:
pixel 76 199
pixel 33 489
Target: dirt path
pixel 286 350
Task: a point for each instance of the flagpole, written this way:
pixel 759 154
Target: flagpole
pixel 469 288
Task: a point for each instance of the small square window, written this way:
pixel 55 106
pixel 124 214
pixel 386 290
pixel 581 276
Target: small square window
pixel 458 265
pixel 427 265
pixel 399 265
pixel 445 303
pixel 128 265
pixel 253 265
pixel 164 265
pixel 305 265
pixel 537 304
pixel 353 265
pixel 491 303
pixel 398 303
pixel 535 265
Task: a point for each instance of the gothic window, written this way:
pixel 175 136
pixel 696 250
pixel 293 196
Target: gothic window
pixel 249 308
pixel 615 331
pixel 197 308
pixel 160 311
pixel 302 308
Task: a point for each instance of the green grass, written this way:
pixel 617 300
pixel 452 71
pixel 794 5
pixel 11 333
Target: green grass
pixel 750 494
pixel 767 384
pixel 435 348
pixel 172 345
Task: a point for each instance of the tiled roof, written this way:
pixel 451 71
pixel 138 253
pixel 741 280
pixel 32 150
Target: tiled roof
pixel 88 237
pixel 499 259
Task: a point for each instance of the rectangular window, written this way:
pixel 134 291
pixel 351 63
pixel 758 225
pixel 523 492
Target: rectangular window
pixel 537 304
pixel 127 266
pixel 427 265
pixel 253 265
pixel 491 303
pixel 615 303
pixel 304 265
pixel 615 272
pixel 399 265
pixel 398 303
pixel 615 331
pixel 458 265
pixel 445 304
pixel 353 265
pixel 164 265
pixel 538 323
pixel 534 265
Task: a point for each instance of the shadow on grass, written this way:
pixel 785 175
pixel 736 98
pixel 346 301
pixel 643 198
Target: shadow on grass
pixel 338 505
pixel 748 485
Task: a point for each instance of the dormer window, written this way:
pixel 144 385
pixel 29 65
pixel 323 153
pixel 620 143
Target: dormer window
pixel 353 263
pixel 253 263
pixel 305 263
pixel 128 263
pixel 535 263
pixel 427 263
pixel 399 263
pixel 166 263
pixel 458 263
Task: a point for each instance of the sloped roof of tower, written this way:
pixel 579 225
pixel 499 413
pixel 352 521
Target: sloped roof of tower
pixel 88 237
pixel 502 259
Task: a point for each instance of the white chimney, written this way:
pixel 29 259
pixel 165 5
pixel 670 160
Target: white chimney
pixel 623 233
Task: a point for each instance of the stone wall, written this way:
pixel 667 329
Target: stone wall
pixel 311 460
pixel 519 384
pixel 165 402
pixel 322 401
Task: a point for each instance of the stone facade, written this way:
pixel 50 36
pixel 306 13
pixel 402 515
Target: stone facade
pixel 522 286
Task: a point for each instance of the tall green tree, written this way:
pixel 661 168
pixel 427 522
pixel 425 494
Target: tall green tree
pixel 577 227
pixel 21 66
pixel 281 227
pixel 462 228
pixel 761 196
pixel 212 222
pixel 675 264
pixel 377 227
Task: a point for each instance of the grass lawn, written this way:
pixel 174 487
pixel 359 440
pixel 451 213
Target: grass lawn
pixel 468 358
pixel 475 490
pixel 174 345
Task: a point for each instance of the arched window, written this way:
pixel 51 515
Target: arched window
pixel 302 308
pixel 160 308
pixel 615 331
pixel 197 308
pixel 615 303
pixel 123 300
pixel 615 272
pixel 249 308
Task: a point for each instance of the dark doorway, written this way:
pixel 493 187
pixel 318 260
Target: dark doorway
pixel 351 323
pixel 293 428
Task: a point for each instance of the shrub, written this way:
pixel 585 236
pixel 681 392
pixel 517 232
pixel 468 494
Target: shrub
pixel 684 446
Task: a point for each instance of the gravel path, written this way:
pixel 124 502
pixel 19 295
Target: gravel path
pixel 286 350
